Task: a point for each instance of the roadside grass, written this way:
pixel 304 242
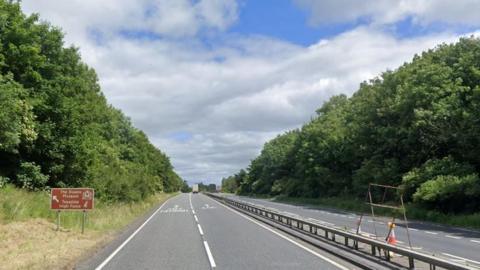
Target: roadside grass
pixel 28 236
pixel 414 212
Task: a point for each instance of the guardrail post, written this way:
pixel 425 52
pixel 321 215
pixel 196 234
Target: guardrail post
pixel 411 264
pixel 374 250
pixel 346 241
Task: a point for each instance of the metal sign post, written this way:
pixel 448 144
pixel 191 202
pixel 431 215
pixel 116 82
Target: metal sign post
pixel 58 220
pixel 83 220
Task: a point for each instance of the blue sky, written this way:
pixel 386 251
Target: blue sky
pixel 210 81
pixel 282 19
pixel 287 21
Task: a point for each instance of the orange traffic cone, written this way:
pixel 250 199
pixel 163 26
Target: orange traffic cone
pixel 392 240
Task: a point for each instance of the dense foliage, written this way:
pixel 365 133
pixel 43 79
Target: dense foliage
pixel 417 126
pixel 56 128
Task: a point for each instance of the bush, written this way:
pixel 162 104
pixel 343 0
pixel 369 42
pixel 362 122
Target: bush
pixel 3 181
pixel 450 192
pixel 31 177
pixel 430 170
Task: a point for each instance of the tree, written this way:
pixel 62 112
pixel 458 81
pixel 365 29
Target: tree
pixel 56 127
pixel 417 126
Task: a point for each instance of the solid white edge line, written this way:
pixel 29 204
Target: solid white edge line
pixel 209 254
pixel 196 219
pixel 284 237
pixel 460 258
pixel 107 260
pixel 200 229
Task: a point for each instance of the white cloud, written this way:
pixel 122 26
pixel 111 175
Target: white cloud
pixel 171 18
pixel 229 99
pixel 389 11
pixel 232 106
pixel 218 13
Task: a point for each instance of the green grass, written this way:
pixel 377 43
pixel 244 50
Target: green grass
pixel 414 212
pixel 21 205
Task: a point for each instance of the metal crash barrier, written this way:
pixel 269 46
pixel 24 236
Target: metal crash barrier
pixel 377 248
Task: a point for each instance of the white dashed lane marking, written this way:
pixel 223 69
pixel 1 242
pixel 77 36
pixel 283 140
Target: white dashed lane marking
pixel 209 254
pixel 205 243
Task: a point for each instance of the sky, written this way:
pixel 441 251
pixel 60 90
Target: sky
pixel 210 81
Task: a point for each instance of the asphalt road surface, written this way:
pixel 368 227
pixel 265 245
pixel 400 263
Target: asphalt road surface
pixel 196 232
pixel 455 244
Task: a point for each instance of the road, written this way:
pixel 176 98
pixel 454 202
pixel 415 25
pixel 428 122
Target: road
pixel 455 244
pixel 196 232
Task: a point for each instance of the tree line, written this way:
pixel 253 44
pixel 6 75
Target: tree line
pixel 56 127
pixel 417 127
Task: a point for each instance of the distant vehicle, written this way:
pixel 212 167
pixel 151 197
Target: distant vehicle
pixel 195 188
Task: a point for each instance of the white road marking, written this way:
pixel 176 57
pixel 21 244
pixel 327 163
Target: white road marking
pixel 431 232
pixel 109 258
pixel 454 237
pixel 190 200
pixel 209 254
pixel 415 230
pixel 417 248
pixel 460 258
pixel 286 238
pixel 289 213
pixel 321 221
pixel 205 244
pixel 475 241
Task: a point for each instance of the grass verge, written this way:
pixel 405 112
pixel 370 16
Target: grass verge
pixel 28 239
pixel 414 212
